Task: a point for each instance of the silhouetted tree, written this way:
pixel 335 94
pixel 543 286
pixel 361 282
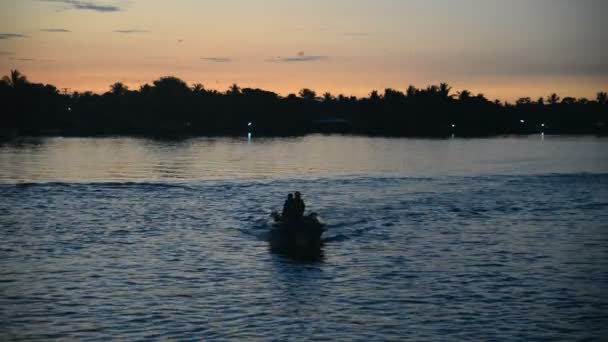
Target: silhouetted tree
pixel 374 96
pixel 145 89
pixel 602 98
pixel 307 94
pixel 234 90
pixel 393 95
pixel 444 90
pixel 553 99
pixel 464 95
pixel 411 91
pixel 118 89
pixel 170 107
pixel 16 80
pixel 523 101
pixel 170 85
pixel 328 97
pixel 568 100
pixel 198 88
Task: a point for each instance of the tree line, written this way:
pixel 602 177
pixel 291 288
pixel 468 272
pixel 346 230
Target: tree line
pixel 171 107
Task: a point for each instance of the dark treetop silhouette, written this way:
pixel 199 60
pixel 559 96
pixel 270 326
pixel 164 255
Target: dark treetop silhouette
pixel 170 107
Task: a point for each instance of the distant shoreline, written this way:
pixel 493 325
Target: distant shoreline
pixel 24 138
pixel 170 107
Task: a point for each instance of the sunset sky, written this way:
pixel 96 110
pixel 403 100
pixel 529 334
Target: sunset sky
pixel 505 49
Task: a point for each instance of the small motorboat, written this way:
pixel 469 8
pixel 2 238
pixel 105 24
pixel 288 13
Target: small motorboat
pixel 303 233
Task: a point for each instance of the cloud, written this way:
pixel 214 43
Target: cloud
pixel 6 53
pixel 217 59
pixel 12 35
pixel 55 30
pixel 86 5
pixel 298 58
pixel 131 31
pixel 31 59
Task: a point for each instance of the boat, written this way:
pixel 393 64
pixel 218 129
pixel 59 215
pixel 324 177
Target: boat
pixel 303 233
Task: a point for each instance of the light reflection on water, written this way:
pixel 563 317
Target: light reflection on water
pixel 139 159
pixel 482 239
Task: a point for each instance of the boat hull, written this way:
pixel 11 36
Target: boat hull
pixel 302 233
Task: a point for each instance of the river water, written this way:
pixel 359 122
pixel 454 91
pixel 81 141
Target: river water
pixel 456 239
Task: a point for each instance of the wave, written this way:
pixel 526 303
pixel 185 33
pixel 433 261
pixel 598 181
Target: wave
pixel 336 180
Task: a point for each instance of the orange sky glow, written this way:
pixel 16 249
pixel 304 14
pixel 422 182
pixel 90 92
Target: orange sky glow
pixel 503 49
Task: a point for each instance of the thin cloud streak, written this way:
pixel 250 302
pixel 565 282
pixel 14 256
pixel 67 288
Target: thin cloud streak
pixel 217 59
pixel 298 59
pixel 31 59
pixel 6 53
pixel 86 5
pixel 55 30
pixel 131 31
pixel 12 35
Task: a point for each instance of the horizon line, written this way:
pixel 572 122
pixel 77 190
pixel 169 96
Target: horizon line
pixel 135 85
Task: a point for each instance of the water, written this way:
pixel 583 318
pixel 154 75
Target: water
pixel 482 239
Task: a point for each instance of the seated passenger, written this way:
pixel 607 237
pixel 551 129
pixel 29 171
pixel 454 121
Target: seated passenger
pixel 288 208
pixel 299 206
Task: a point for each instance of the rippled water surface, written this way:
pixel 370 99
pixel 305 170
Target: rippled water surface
pixel 480 239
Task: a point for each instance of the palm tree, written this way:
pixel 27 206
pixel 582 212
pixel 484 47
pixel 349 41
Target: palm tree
pixel 432 89
pixel 602 97
pixel 16 80
pixel 234 90
pixel 444 90
pixel 464 95
pixel 198 88
pixel 328 97
pixel 553 99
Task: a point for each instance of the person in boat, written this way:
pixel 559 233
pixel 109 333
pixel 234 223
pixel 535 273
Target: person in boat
pixel 288 207
pixel 299 206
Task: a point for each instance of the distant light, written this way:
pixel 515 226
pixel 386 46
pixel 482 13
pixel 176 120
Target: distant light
pixel 69 109
pixel 542 125
pixel 249 124
pixel 522 121
pixel 249 136
pixel 453 125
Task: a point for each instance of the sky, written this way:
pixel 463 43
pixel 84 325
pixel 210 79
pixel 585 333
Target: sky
pixel 505 49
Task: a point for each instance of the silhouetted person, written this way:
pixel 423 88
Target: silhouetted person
pixel 299 206
pixel 288 207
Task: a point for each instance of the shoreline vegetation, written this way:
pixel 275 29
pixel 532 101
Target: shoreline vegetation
pixel 170 107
